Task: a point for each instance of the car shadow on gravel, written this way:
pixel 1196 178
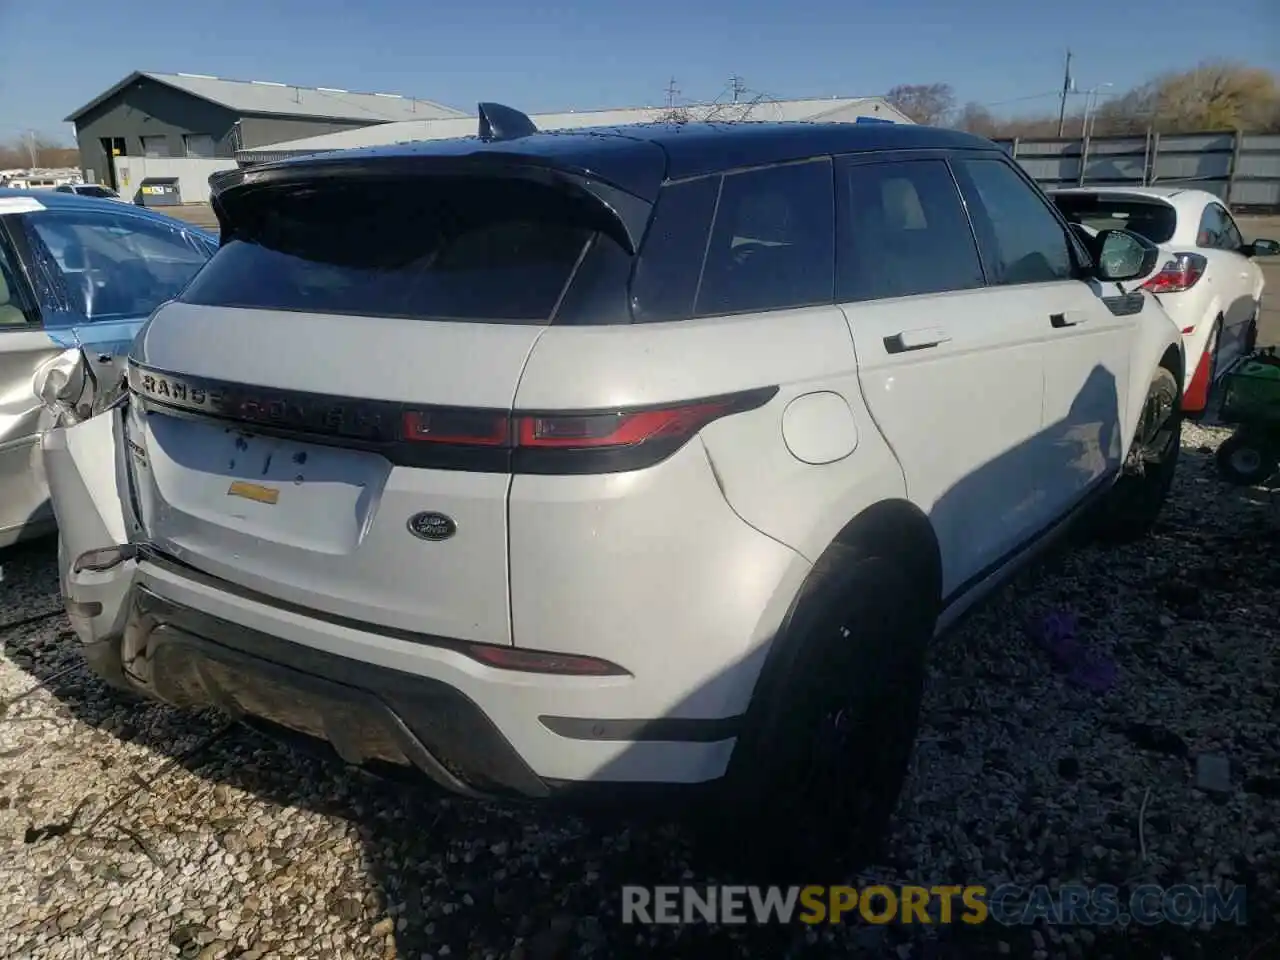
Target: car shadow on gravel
pixel 420 870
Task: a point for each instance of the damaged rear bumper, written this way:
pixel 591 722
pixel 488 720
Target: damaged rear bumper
pixel 368 714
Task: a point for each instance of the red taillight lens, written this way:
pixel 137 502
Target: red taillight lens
pixel 618 429
pixel 575 431
pixel 606 441
pixel 1179 274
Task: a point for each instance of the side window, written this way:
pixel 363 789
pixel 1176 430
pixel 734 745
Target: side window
pixel 1020 239
pixel 773 242
pixel 666 275
pixel 903 231
pixel 14 309
pixel 1232 240
pixel 110 267
pixel 1212 230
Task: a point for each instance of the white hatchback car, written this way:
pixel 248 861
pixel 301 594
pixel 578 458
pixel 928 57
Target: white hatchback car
pixel 552 463
pixel 1208 282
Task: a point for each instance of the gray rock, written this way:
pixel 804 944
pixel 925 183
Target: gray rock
pixel 1213 773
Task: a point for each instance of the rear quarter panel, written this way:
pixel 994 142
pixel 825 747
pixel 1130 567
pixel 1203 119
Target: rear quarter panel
pixel 684 572
pixel 1154 334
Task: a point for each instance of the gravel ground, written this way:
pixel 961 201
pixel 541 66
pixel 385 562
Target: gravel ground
pixel 137 831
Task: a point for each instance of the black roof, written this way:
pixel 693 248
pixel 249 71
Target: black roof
pixel 639 157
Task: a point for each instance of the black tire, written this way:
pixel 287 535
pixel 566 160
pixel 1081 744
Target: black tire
pixel 818 770
pixel 1131 507
pixel 1251 336
pixel 1246 460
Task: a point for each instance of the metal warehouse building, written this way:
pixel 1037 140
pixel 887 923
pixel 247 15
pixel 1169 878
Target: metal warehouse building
pixel 181 127
pixel 833 110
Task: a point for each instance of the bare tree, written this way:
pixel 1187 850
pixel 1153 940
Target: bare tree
pixel 44 151
pixel 1216 95
pixel 927 103
pixel 735 104
pixel 977 119
pixel 734 111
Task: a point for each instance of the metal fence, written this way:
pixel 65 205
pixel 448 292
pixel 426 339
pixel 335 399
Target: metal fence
pixel 1242 169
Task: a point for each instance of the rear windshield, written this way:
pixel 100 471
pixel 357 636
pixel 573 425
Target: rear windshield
pixel 1153 219
pixel 446 248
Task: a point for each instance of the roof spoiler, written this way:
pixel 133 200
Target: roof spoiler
pixel 499 122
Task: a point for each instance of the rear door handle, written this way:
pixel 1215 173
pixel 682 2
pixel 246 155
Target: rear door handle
pixel 1060 320
pixel 915 339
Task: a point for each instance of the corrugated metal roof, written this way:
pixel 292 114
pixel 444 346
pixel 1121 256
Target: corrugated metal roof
pixel 432 129
pixel 280 99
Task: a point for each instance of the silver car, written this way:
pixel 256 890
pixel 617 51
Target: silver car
pixel 76 274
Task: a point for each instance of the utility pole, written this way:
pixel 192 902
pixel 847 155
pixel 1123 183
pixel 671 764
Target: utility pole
pixel 736 87
pixel 31 147
pixel 1066 88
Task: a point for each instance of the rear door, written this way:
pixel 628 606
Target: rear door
pixel 951 370
pixel 324 417
pixel 1034 264
pixel 24 346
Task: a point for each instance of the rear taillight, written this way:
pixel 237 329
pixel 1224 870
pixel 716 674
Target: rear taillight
pixel 577 441
pixel 1180 273
pixel 618 429
pixel 459 427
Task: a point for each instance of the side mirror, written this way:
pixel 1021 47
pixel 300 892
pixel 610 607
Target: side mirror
pixel 1124 255
pixel 1261 248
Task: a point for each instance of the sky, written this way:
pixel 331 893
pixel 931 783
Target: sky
pixel 549 55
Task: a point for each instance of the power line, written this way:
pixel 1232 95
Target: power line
pixel 1030 96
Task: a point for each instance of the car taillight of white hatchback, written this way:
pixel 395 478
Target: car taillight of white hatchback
pixel 1181 273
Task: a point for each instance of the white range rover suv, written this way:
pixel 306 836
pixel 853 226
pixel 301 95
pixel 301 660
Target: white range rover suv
pixel 555 463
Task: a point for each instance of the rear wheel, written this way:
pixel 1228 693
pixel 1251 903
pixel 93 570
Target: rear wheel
pixel 1132 506
pixel 1246 459
pixel 1251 336
pixel 816 775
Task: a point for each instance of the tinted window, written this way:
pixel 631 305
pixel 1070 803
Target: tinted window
pixel 13 308
pixel 598 292
pixel 903 231
pixel 1233 238
pixel 772 245
pixel 666 275
pixel 1210 231
pixel 449 248
pixel 1021 240
pixel 1218 230
pixel 105 266
pixel 1153 219
pixel 92 191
